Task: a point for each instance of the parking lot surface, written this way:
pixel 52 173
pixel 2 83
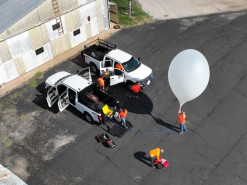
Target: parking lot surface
pixel 45 147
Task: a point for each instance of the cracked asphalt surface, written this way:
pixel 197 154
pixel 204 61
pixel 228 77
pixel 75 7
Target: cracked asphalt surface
pixel 45 147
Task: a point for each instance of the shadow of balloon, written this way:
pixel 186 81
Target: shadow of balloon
pixel 167 125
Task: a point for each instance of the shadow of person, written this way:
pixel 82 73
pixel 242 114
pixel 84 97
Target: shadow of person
pixel 141 156
pixel 167 125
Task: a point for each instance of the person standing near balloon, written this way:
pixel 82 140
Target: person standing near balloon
pixel 181 120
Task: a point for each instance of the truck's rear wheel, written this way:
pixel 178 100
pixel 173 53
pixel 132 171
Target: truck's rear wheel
pixel 94 68
pixel 89 118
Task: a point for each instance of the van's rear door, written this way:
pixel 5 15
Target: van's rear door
pixel 52 96
pixel 63 101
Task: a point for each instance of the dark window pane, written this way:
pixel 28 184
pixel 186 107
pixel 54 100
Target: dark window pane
pixel 56 26
pixel 77 32
pixel 39 51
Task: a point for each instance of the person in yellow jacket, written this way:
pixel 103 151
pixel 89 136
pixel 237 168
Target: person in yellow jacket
pixel 155 154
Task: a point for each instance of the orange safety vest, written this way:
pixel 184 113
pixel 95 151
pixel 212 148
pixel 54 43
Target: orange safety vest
pixel 123 114
pixel 181 118
pixel 155 153
pixel 118 66
pixel 101 82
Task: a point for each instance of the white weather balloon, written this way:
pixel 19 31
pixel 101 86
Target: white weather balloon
pixel 188 75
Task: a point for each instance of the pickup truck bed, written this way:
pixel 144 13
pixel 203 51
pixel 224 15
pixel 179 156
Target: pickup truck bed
pixel 95 99
pixel 98 50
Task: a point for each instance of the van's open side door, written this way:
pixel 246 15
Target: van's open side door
pixel 63 101
pixel 117 78
pixel 52 96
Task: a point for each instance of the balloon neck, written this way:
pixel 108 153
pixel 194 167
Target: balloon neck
pixel 180 107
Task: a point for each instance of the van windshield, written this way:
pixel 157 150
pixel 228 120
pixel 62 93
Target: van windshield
pixel 131 65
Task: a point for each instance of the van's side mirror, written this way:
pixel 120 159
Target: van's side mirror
pixel 139 58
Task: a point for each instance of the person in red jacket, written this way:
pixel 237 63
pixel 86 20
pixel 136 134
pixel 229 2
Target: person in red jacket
pixel 181 120
pixel 136 88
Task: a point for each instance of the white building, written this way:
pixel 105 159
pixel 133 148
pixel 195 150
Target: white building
pixel 35 31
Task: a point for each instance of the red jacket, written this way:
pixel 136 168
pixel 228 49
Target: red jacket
pixel 136 88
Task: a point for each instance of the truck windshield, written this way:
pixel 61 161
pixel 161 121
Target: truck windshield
pixel 131 65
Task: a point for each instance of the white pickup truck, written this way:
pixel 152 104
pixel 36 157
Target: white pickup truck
pixel 123 67
pixel 79 91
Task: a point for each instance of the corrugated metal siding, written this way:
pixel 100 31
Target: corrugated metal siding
pixel 19 44
pixel 37 16
pixel 9 178
pixel 18 55
pixel 53 35
pixel 9 70
pixel 60 45
pixel 38 36
pixel 88 30
pixel 31 60
pixel 5 54
pixel 76 40
pixel 65 5
pixel 105 13
pixel 72 20
pixel 94 27
pixel 81 2
pixel 19 65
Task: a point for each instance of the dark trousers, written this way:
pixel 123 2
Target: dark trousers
pixel 151 161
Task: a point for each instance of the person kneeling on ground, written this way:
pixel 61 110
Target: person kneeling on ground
pixel 155 154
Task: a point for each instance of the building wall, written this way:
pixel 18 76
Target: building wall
pixel 34 47
pixel 42 14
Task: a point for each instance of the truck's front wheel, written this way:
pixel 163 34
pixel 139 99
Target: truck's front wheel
pixel 88 118
pixel 94 68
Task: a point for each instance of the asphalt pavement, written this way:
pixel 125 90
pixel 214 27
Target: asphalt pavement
pixel 212 152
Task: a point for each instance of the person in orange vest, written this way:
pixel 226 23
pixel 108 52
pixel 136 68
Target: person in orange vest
pixel 101 83
pixel 123 115
pixel 136 88
pixel 118 66
pixel 181 120
pixel 155 154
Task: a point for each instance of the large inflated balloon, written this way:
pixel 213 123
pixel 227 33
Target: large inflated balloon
pixel 188 75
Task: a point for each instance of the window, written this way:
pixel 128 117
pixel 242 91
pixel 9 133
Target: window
pixel 88 18
pixel 39 51
pixel 56 26
pixel 77 32
pixel 108 62
pixel 61 89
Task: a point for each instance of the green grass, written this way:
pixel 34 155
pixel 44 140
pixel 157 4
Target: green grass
pixel 138 15
pixel 33 84
pixel 15 96
pixel 22 118
pixel 38 74
pixel 6 141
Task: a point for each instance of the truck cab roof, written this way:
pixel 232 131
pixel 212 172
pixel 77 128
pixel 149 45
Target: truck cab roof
pixel 119 55
pixel 76 82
